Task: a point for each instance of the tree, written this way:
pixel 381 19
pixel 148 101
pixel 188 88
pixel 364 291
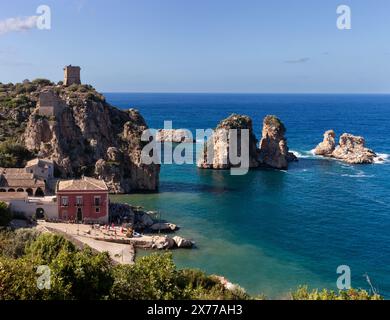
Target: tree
pixel 13 244
pixel 47 247
pixel 5 214
pixel 18 280
pixel 151 277
pixel 13 154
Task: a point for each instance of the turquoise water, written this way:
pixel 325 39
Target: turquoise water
pixel 271 231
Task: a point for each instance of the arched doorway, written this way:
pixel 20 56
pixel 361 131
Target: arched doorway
pixel 3 190
pixel 11 190
pixel 39 214
pixel 79 215
pixel 20 190
pixel 30 191
pixel 39 192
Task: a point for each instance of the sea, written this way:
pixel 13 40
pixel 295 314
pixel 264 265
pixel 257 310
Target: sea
pixel 271 231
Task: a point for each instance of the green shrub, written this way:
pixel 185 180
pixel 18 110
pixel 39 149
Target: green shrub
pixel 73 87
pixel 42 82
pixel 13 244
pixel 302 293
pixel 46 248
pixel 14 154
pixel 18 280
pixel 151 277
pixel 5 214
pixel 274 121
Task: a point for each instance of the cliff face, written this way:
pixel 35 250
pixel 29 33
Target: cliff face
pixel 273 149
pixel 219 142
pixel 89 136
pixel 351 149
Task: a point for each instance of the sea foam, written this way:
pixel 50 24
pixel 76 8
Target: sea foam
pixel 381 158
pixel 304 154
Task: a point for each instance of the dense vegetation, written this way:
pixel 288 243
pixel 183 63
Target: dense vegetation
pixel 83 274
pixel 274 121
pixel 352 294
pixel 5 214
pixel 14 154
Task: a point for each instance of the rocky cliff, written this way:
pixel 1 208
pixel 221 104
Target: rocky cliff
pixel 272 152
pixel 351 149
pixel 86 135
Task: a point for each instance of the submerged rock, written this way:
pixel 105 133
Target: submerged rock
pixel 273 149
pixel 351 149
pixel 327 146
pixel 163 226
pixel 183 243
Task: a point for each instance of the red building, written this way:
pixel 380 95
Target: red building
pixel 84 200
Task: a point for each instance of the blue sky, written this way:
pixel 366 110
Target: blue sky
pixel 204 45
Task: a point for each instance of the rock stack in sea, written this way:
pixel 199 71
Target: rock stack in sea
pixel 216 153
pixel 351 149
pixel 273 149
pixel 272 152
pixel 327 146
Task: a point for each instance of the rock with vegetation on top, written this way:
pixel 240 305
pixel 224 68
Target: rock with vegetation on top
pixel 218 144
pixel 273 149
pixel 82 133
pixel 327 146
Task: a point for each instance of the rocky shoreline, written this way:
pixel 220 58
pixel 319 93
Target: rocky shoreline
pixel 136 219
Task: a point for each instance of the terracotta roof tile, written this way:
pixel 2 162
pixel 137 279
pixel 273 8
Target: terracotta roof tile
pixel 86 183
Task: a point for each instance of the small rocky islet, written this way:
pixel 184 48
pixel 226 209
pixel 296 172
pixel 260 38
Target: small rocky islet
pixel 351 149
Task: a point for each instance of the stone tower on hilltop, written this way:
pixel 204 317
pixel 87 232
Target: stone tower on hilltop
pixel 71 75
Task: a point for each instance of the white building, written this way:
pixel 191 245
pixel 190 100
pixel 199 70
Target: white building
pixel 41 168
pixel 21 203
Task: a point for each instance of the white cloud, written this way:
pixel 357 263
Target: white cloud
pixel 18 24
